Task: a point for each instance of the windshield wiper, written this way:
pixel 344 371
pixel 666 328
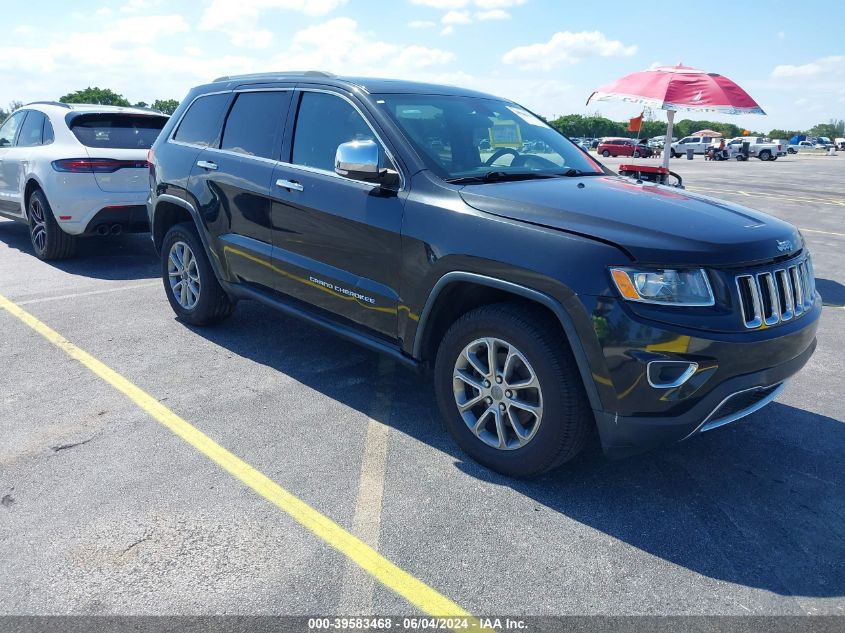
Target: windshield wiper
pixel 501 176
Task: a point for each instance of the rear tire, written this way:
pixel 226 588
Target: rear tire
pixel 636 154
pixel 534 342
pixel 765 155
pixel 605 153
pixel 189 281
pixel 49 241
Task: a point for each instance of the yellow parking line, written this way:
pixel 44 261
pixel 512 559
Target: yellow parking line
pixel 825 232
pixel 415 591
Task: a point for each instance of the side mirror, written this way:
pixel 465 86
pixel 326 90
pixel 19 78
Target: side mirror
pixel 358 160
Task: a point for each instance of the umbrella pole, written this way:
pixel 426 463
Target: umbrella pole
pixel 667 143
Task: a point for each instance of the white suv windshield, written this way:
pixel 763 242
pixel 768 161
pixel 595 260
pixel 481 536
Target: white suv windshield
pixel 462 137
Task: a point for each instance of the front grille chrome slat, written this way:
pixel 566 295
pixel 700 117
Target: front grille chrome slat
pixel 797 290
pixel 749 300
pixel 775 296
pixel 769 298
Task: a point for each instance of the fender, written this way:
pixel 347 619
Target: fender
pixel 556 307
pixel 198 224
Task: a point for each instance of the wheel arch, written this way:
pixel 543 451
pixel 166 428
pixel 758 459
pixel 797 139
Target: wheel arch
pixel 458 292
pixel 170 210
pixel 32 184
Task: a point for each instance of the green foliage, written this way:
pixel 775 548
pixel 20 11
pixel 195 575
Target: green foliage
pixel 597 126
pixel 101 96
pixel 168 106
pixel 13 105
pixel 832 129
pixel 783 134
pixel 141 104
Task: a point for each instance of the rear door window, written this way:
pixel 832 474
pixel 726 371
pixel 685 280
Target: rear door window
pixel 32 130
pixel 253 123
pixel 201 123
pixel 117 130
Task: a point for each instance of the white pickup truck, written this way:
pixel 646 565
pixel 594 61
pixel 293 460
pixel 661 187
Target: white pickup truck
pixel 758 147
pixel 698 144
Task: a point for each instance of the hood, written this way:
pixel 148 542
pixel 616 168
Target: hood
pixel 653 223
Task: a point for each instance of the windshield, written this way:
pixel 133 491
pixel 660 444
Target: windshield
pixel 462 137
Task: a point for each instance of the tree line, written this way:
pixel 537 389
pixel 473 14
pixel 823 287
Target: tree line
pixel 101 96
pixel 596 126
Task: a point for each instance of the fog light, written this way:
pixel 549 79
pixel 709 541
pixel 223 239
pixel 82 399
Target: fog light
pixel 668 374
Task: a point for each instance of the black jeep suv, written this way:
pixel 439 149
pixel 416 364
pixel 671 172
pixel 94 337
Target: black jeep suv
pixel 546 293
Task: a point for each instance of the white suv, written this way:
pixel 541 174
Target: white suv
pixel 69 170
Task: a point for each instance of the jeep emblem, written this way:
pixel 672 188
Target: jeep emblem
pixel 784 245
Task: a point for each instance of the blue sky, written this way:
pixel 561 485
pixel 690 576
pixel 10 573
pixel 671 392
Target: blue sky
pixel 544 54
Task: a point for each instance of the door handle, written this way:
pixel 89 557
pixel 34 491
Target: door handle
pixel 206 164
pixel 289 184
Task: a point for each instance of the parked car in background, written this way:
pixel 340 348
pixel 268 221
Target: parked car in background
pixel 548 295
pixel 70 170
pixel 811 145
pixel 624 147
pixel 698 144
pixel 839 143
pixel 758 147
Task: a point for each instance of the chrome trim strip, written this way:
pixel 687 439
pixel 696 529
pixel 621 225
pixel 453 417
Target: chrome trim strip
pixel 708 424
pixel 680 380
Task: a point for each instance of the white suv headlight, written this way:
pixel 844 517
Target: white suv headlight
pixel 664 286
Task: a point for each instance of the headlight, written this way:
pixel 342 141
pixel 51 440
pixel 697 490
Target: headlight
pixel 664 286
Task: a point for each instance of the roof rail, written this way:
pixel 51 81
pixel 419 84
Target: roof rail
pixel 55 103
pixel 304 73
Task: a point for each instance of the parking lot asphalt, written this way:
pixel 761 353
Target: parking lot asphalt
pixel 104 511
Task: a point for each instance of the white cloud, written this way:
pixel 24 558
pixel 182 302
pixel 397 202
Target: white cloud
pixel 448 30
pixel 825 67
pixel 566 47
pixel 493 14
pixel 456 17
pixel 133 6
pixel 443 5
pixel 240 20
pixel 339 46
pixel 422 24
pixel 499 4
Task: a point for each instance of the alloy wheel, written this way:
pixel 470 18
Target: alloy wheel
pixel 38 224
pixel 183 275
pixel 497 393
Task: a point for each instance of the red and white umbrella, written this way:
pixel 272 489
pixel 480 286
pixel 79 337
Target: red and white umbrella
pixel 674 88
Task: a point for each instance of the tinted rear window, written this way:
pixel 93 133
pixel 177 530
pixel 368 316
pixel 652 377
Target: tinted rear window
pixel 124 131
pixel 253 121
pixel 201 123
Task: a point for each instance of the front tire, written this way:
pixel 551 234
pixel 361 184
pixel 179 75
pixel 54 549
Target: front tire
pixel 509 390
pixel 189 281
pixel 49 241
pixel 605 153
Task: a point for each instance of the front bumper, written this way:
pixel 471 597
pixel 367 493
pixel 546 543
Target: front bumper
pixel 735 375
